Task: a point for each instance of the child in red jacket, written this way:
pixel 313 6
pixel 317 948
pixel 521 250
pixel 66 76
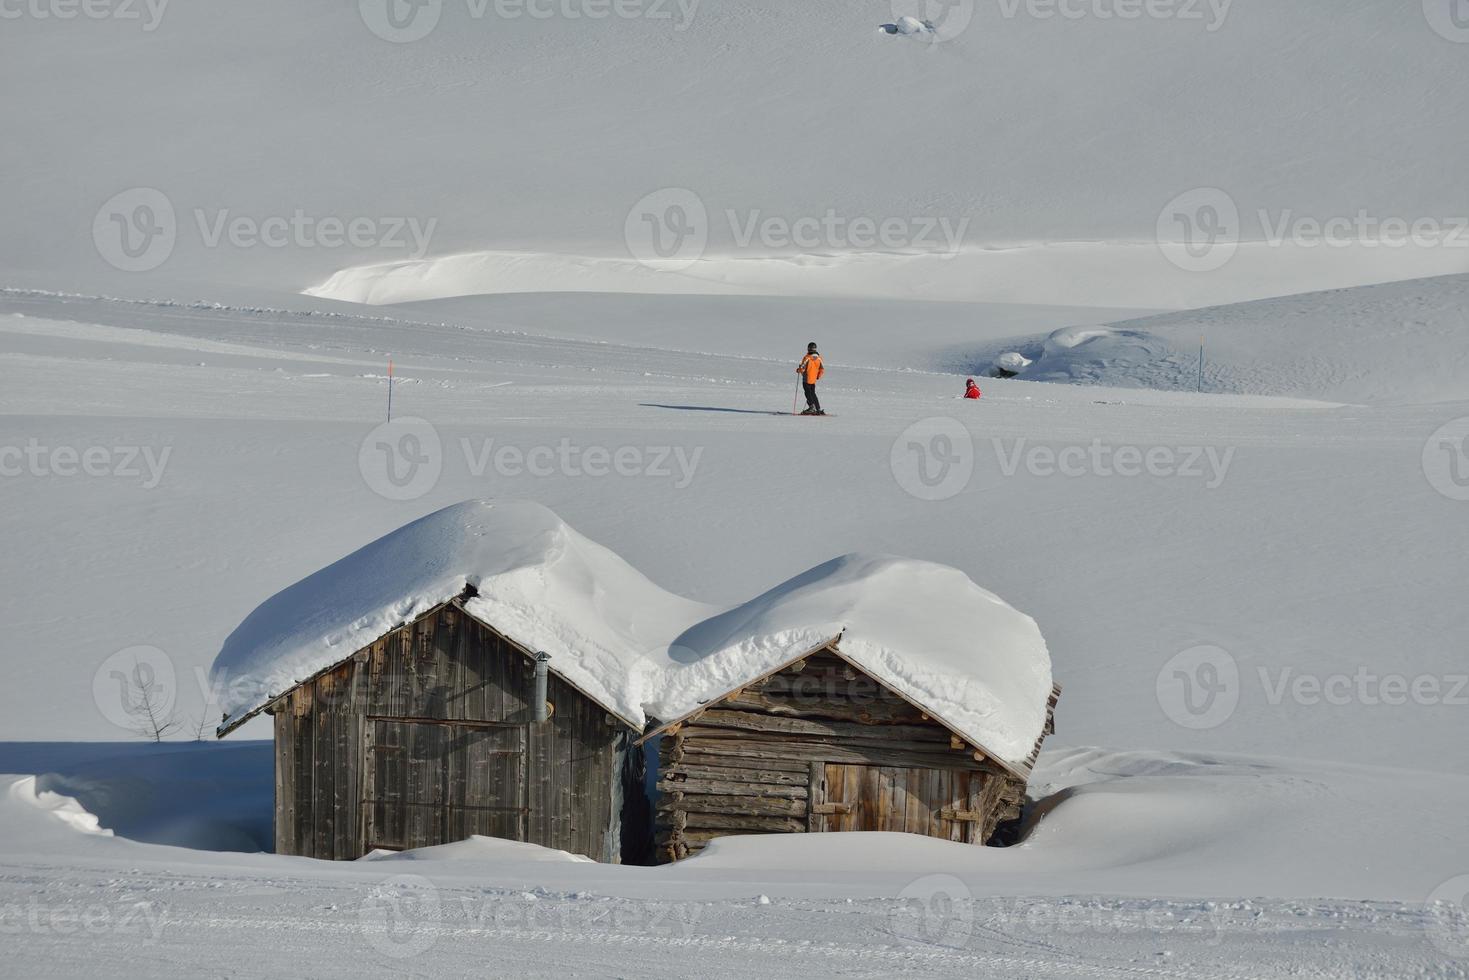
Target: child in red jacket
pixel 971 390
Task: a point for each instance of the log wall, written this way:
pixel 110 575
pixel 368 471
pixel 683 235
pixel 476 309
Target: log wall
pixel 426 737
pixel 821 746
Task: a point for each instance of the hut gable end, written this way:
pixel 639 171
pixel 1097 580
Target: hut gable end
pixel 427 736
pixel 821 745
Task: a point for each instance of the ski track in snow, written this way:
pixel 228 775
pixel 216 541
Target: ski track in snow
pixel 256 926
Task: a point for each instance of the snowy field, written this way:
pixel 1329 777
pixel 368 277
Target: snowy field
pixel 1250 573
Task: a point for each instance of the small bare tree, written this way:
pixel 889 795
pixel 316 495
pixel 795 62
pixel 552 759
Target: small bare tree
pixel 149 707
pixel 201 728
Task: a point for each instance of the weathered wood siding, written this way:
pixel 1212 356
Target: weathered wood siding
pixel 426 737
pixel 822 746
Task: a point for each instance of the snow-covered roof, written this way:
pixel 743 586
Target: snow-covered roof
pixel 924 630
pixel 539 583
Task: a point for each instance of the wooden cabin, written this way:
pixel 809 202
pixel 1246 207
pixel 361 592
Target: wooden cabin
pixel 411 706
pixel 432 734
pixel 821 745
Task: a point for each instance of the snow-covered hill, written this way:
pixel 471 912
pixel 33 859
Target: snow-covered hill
pixel 1399 342
pixel 541 135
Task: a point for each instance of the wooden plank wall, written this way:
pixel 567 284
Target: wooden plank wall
pixel 759 762
pixel 444 671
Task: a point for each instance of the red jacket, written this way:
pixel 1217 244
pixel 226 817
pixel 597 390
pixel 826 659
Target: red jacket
pixel 973 391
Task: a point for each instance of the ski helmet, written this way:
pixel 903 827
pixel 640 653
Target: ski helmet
pixel 811 346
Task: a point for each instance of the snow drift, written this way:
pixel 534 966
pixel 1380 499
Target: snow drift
pixel 643 653
pixel 1398 342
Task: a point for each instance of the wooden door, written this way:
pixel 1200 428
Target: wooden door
pixel 436 782
pixel 935 802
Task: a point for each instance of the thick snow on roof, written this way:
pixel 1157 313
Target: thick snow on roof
pixel 923 629
pixel 540 583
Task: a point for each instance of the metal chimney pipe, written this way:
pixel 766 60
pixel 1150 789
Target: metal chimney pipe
pixel 539 710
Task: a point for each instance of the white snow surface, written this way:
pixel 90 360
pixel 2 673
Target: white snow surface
pixel 925 630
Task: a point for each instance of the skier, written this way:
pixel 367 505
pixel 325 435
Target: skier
pixel 811 369
pixel 971 390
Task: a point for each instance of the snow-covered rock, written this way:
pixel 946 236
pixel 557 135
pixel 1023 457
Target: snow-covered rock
pixel 1013 362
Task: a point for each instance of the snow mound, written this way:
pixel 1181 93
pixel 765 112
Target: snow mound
pixel 479 848
pixel 1167 823
pixel 33 790
pixel 1012 361
pixel 1402 342
pixel 908 27
pixel 644 654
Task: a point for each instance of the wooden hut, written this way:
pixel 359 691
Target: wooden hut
pixel 413 705
pixel 819 744
pixel 431 734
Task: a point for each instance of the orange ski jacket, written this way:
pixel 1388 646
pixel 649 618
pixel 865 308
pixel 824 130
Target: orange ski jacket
pixel 811 369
